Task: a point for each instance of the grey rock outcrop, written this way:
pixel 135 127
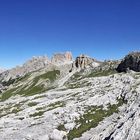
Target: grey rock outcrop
pixel 108 65
pixel 68 56
pixel 130 62
pixel 84 61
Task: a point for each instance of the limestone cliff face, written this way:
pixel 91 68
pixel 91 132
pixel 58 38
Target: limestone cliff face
pixel 84 61
pixel 68 56
pixel 61 58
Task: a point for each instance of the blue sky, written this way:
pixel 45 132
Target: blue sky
pixel 104 29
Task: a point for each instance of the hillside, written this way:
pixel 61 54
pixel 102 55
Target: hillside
pixel 84 99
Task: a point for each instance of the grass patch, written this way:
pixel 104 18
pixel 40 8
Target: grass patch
pixel 37 114
pixel 7 94
pixel 5 111
pixel 33 89
pixel 73 86
pixel 51 75
pixel 22 79
pixel 61 127
pixel 41 108
pixel 11 109
pixel 55 105
pixel 16 110
pixel 38 97
pixel 102 73
pixel 91 118
pixel 74 81
pixel 78 84
pixel 31 104
pixel 17 107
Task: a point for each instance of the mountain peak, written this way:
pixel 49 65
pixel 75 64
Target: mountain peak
pixel 62 58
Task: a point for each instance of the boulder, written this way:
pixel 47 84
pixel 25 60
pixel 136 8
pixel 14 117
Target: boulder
pixel 130 62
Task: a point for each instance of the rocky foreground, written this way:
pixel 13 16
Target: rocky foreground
pixel 82 100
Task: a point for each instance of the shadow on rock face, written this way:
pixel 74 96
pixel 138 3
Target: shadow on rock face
pixel 130 62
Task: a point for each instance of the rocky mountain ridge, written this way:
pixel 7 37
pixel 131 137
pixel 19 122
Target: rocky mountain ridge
pixel 74 100
pixel 37 63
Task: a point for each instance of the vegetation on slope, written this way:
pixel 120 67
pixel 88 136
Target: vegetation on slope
pixel 91 118
pixel 75 80
pixel 34 88
pixel 102 73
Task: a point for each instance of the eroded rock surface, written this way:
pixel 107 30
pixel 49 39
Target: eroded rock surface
pixel 83 62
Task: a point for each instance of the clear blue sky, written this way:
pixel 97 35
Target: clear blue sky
pixel 104 29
